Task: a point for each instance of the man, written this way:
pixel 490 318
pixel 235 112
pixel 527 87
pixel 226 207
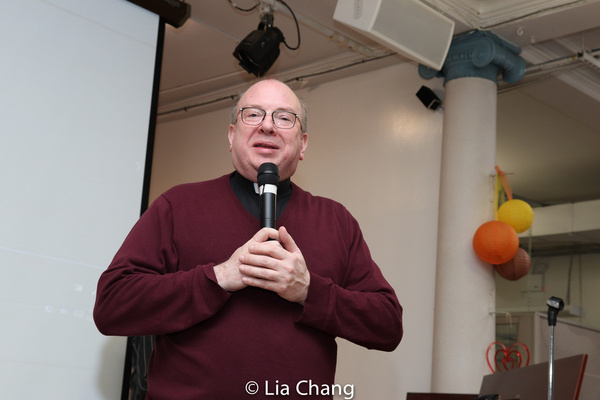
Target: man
pixel 234 313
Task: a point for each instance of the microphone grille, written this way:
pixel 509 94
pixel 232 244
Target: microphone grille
pixel 268 174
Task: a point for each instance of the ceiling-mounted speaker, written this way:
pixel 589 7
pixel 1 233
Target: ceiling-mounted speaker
pixel 407 27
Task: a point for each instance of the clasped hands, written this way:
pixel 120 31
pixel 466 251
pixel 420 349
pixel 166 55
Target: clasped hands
pixel 276 265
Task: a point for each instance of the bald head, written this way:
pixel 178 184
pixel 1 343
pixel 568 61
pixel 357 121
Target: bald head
pixel 302 115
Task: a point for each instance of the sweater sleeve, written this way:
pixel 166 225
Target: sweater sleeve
pixel 143 293
pixel 363 308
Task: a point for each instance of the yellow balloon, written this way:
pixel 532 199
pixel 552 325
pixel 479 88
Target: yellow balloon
pixel 517 214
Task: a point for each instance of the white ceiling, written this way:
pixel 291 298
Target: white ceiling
pixel 548 123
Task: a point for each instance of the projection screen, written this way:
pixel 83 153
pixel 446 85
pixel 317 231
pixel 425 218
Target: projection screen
pixel 75 101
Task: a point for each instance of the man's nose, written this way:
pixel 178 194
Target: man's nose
pixel 267 125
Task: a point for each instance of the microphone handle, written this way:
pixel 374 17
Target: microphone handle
pixel 268 206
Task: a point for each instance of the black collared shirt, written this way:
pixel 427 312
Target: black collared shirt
pixel 247 192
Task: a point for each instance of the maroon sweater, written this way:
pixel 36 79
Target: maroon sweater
pixel 210 343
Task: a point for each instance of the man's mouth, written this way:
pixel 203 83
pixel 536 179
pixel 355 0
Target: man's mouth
pixel 266 146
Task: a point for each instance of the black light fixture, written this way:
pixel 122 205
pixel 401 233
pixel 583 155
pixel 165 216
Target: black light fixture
pixel 260 49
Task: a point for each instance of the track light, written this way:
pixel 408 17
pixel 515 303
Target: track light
pixel 259 50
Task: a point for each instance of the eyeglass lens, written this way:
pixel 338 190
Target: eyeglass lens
pixel 255 116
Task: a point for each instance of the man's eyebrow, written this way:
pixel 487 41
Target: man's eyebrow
pixel 277 109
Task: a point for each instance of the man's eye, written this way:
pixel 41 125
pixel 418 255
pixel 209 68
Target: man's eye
pixel 285 117
pixel 252 114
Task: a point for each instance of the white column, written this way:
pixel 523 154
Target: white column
pixel 464 319
pixel 465 297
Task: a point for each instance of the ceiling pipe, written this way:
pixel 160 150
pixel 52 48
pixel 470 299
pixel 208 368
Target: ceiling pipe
pixel 536 72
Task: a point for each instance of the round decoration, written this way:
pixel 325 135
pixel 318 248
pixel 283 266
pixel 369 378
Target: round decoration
pixel 495 242
pixel 517 214
pixel 516 268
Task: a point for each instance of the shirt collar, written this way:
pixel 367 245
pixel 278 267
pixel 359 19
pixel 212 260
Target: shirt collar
pixel 284 188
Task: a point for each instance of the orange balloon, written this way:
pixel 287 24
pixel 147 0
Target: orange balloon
pixel 495 242
pixel 516 268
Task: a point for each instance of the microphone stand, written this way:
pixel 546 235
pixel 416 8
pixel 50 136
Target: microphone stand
pixel 555 305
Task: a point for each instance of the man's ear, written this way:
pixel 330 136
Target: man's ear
pixel 230 134
pixel 304 140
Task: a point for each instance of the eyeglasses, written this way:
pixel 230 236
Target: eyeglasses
pixel 254 116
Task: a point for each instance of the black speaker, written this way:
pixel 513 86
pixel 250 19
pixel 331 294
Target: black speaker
pixel 428 98
pixel 173 12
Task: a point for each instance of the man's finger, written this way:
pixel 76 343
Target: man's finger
pixel 287 241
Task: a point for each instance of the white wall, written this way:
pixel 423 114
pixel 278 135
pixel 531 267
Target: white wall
pixel 574 278
pixel 374 147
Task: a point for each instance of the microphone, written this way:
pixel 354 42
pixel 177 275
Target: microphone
pixel 268 179
pixel 555 304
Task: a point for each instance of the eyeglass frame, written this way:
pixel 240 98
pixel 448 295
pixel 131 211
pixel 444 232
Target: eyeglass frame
pixel 296 117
